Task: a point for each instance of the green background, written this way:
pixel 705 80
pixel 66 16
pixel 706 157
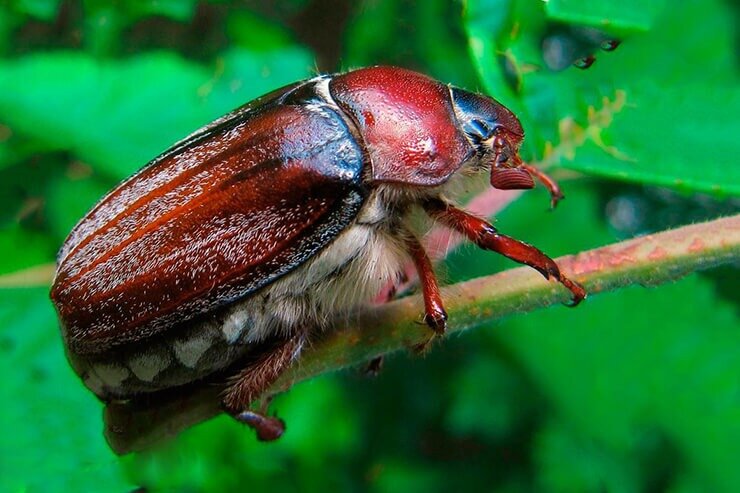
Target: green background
pixel 637 390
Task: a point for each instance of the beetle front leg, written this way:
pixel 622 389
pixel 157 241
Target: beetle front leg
pixel 483 234
pixel 255 379
pixel 435 315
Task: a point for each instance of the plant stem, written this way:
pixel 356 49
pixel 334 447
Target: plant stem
pixel 648 261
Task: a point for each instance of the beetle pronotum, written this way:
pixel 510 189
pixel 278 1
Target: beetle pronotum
pixel 221 255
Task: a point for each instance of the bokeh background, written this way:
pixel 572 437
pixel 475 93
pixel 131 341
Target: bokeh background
pixel 637 390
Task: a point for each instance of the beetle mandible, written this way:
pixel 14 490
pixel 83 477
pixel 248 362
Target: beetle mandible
pixel 221 255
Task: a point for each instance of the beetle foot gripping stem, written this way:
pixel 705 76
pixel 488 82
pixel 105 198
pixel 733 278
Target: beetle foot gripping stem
pixel 435 315
pixel 483 234
pixel 521 252
pixel 255 379
pixel 268 428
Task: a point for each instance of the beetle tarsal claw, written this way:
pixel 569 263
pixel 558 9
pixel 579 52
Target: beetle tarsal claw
pixel 578 291
pixel 268 428
pixel 437 321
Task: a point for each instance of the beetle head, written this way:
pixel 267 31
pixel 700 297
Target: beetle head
pixel 496 134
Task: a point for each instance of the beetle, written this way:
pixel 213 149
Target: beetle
pixel 224 253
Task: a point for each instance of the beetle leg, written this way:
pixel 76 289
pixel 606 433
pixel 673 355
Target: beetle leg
pixel 435 315
pixel 268 428
pixel 483 234
pixel 256 378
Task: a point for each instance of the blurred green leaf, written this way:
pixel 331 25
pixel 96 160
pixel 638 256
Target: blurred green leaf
pixel 52 439
pixel 15 149
pixel 570 464
pixel 251 31
pixel 416 35
pixel 619 368
pixel 22 226
pixel 639 113
pixel 638 361
pixel 222 452
pixel 9 21
pixel 179 10
pixel 393 475
pixel 631 14
pixel 68 200
pixel 105 21
pixel 41 9
pixel 493 386
pixel 117 115
pixel 30 248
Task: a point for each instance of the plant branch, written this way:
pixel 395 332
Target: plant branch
pixel 648 261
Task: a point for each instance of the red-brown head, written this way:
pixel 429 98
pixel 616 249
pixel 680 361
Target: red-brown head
pixel 496 134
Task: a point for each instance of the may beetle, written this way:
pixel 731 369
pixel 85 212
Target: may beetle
pixel 221 255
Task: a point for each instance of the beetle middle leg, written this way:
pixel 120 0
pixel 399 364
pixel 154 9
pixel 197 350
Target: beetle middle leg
pixel 483 234
pixel 255 379
pixel 435 315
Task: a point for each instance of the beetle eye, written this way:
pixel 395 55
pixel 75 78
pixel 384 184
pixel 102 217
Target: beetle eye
pixel 480 129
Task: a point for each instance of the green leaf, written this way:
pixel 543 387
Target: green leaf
pixel 105 22
pixel 569 462
pixel 223 454
pixel 503 393
pixel 179 10
pixel 622 368
pixel 630 377
pixel 68 200
pixel 685 139
pixel 117 115
pixel 41 9
pixel 647 361
pixel 29 248
pixel 644 113
pixel 630 14
pixel 52 437
pixel 380 33
pixel 251 31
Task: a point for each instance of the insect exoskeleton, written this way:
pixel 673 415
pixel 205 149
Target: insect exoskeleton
pixel 221 255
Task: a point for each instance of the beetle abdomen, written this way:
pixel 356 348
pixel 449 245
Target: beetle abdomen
pixel 207 225
pixel 198 349
pixel 351 270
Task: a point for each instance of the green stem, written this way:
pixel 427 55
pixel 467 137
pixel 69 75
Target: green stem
pixel 648 260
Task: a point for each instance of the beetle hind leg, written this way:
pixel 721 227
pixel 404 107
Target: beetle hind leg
pixel 255 379
pixel 268 428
